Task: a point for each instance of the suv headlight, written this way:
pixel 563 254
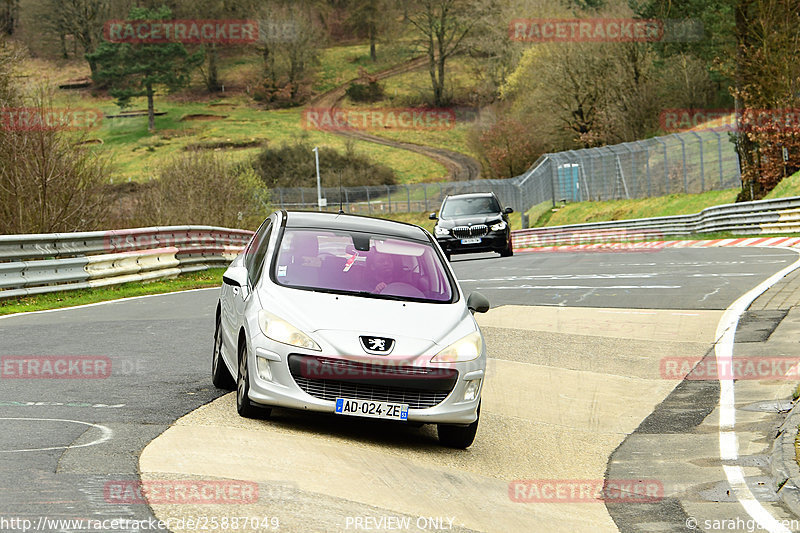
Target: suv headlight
pixel 279 330
pixel 466 348
pixel 499 226
pixel 438 230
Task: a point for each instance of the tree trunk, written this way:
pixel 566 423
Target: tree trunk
pixel 151 117
pixel 64 51
pixel 212 84
pixel 432 70
pixel 373 54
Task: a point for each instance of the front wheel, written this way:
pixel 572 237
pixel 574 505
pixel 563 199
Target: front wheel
pixel 508 252
pixel 220 376
pixel 244 406
pixel 460 437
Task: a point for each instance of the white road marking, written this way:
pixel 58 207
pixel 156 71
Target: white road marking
pixel 728 443
pixel 105 302
pixel 568 277
pixel 582 287
pixel 106 434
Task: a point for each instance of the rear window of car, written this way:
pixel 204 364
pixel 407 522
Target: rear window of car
pixel 361 263
pixel 481 205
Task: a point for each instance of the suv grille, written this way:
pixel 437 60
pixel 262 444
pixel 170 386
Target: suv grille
pixel 418 387
pixel 463 232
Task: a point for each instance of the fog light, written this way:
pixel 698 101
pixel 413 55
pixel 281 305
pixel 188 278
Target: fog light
pixel 263 369
pixel 472 389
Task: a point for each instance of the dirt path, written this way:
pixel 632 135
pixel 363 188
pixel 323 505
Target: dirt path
pixel 460 167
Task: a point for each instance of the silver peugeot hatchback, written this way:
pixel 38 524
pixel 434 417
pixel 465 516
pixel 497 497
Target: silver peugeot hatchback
pixel 354 316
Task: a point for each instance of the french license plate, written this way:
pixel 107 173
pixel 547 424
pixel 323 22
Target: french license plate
pixel 372 409
pixel 474 240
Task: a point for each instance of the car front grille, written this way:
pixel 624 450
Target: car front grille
pixel 420 388
pixel 464 232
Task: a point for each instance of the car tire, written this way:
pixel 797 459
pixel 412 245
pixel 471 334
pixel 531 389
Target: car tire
pixel 509 250
pixel 460 437
pixel 220 376
pixel 447 255
pixel 244 406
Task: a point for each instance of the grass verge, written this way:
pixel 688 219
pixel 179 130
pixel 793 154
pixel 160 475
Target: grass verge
pixel 674 204
pixel 57 300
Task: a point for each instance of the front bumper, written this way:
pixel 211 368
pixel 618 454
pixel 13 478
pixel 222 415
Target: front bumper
pixel 494 241
pixel 283 389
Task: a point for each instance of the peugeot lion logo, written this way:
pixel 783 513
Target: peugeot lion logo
pixel 376 345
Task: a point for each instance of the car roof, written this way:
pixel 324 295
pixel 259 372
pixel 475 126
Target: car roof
pixel 471 195
pixel 337 221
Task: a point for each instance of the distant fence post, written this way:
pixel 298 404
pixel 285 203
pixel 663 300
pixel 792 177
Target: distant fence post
pixel 647 170
pixel 666 166
pixel 719 155
pixel 702 166
pixel 683 156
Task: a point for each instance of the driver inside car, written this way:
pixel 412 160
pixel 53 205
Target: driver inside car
pixel 381 271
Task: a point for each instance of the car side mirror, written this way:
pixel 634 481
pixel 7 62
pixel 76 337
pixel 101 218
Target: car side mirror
pixel 508 211
pixel 433 216
pixel 235 276
pixel 477 303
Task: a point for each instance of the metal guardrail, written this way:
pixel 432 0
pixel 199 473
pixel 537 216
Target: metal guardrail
pixel 781 215
pixel 41 263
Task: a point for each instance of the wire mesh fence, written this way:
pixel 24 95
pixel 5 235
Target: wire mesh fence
pixel 688 162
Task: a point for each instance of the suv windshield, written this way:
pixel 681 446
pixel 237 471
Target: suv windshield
pixel 361 263
pixel 480 205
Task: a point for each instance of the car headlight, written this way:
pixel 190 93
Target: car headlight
pixel 281 331
pixel 466 348
pixel 441 231
pixel 499 226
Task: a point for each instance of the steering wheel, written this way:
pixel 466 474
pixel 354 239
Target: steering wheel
pixel 402 289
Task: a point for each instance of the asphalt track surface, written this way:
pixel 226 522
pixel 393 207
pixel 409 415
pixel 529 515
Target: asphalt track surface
pixel 64 440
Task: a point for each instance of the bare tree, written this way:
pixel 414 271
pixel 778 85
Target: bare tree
pixel 49 180
pixel 289 41
pixel 9 16
pixel 442 27
pixel 83 20
pixel 372 18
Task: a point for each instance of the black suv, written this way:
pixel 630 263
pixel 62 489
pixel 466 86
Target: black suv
pixel 473 223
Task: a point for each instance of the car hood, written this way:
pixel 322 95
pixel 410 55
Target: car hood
pixel 337 316
pixel 470 220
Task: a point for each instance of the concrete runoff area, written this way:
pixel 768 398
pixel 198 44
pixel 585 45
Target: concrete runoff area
pixel 565 386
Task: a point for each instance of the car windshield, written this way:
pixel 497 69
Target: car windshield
pixel 480 205
pixel 361 263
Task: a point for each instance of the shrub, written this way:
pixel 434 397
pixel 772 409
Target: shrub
pixel 372 91
pixel 294 166
pixel 49 180
pixel 204 188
